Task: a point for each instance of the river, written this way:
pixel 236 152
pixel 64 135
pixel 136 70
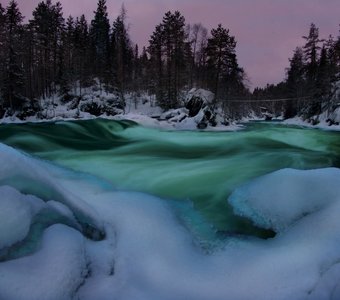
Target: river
pixel 193 172
pixel 198 169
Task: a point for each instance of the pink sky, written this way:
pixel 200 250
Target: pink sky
pixel 267 31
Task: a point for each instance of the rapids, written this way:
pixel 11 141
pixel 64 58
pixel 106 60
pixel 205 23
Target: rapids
pixel 195 172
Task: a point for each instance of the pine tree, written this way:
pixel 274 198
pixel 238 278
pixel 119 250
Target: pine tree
pixel 100 42
pixel 296 82
pixel 67 60
pixel 323 80
pixel 201 60
pixel 122 52
pixel 48 28
pixel 58 28
pixel 177 57
pixel 2 47
pixel 28 65
pixel 333 55
pixel 196 37
pixel 296 75
pixel 13 85
pixel 311 54
pixel 144 71
pixel 82 56
pixel 156 67
pixel 171 58
pixel 222 62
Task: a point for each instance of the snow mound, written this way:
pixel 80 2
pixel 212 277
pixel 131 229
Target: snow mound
pixel 31 177
pixel 55 272
pixel 278 200
pixel 16 213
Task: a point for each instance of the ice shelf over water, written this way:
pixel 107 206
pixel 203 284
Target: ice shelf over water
pixel 109 244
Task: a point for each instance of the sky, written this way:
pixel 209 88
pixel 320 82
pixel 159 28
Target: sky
pixel 267 31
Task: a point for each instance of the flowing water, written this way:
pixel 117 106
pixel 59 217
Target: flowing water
pixel 193 171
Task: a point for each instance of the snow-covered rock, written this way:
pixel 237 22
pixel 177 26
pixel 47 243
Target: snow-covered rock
pixel 205 95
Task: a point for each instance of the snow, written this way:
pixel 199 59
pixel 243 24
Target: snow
pixel 62 209
pixel 141 109
pixel 148 254
pixel 16 214
pixel 54 272
pixel 297 121
pixel 207 96
pixel 28 176
pixel 288 199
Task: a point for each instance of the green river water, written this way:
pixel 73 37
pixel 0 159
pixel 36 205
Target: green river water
pixel 194 171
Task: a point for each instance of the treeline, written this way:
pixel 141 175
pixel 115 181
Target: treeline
pixel 52 55
pixel 311 77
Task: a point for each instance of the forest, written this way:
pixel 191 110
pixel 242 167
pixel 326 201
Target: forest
pixel 52 55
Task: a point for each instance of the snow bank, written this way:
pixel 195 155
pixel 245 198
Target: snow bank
pixel 148 254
